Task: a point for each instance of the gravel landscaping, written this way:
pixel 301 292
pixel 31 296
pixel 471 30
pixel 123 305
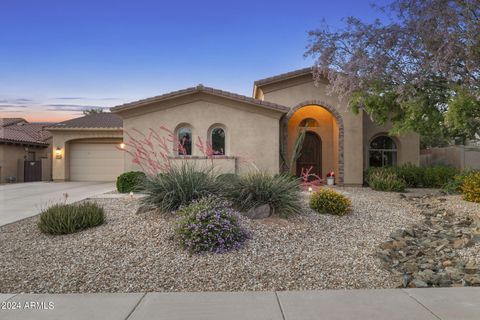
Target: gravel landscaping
pixel 136 252
pixel 442 250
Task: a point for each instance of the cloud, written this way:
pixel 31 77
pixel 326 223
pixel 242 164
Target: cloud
pixel 71 107
pixel 23 100
pixel 69 98
pixel 12 111
pixel 11 106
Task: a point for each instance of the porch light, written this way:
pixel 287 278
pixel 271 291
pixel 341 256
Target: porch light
pixel 58 153
pixel 310 189
pixel 122 145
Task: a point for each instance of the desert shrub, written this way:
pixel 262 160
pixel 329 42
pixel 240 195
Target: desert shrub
pixel 329 201
pixel 178 186
pixel 437 177
pixel 70 218
pixel 227 178
pixel 130 181
pixel 412 175
pixel 471 187
pixel 209 224
pixel 455 185
pixel 415 177
pixel 385 180
pixel 280 192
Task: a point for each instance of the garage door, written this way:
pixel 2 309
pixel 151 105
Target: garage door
pixel 95 162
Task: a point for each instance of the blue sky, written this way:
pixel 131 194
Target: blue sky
pixel 58 57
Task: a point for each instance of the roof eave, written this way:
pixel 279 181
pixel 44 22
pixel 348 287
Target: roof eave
pixel 282 77
pixel 24 143
pixel 83 129
pixel 200 89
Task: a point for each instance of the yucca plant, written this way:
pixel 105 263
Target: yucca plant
pixel 180 185
pixel 280 192
pixel 69 218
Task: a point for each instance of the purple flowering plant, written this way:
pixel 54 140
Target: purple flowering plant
pixel 210 224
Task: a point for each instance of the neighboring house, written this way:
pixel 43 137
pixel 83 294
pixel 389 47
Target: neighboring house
pixel 245 132
pixel 24 151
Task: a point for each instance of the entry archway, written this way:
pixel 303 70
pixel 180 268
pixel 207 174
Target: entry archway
pixel 332 143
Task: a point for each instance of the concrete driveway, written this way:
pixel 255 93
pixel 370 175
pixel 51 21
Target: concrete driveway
pixel 23 200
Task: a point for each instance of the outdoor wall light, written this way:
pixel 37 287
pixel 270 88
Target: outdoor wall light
pixel 122 145
pixel 58 153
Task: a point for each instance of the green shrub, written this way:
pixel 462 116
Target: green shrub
pixel 180 186
pixel 70 218
pixel 471 187
pixel 329 201
pixel 385 180
pixel 230 178
pixel 280 192
pixel 209 224
pixel 437 177
pixel 130 181
pixel 412 175
pixel 455 185
pixel 416 177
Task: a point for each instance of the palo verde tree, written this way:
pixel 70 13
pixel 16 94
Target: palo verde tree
pixel 419 67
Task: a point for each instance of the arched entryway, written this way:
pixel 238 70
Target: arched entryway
pixel 323 121
pixel 311 156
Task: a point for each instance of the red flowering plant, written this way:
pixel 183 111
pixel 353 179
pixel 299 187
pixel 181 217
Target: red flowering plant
pixel 331 174
pixel 310 181
pixel 153 152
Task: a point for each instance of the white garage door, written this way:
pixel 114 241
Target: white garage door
pixel 95 162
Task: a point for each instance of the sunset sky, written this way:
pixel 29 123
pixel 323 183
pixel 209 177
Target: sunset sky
pixel 60 57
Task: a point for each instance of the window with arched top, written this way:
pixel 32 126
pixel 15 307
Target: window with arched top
pixel 184 141
pixel 217 139
pixel 382 152
pixel 309 122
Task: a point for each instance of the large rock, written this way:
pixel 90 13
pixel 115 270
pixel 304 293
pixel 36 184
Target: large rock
pixel 260 212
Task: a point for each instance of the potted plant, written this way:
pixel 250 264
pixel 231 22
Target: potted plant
pixel 331 178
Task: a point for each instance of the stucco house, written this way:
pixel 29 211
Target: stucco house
pixel 25 152
pixel 245 132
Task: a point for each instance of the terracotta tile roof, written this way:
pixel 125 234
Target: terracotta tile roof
pixel 9 121
pixel 16 130
pixel 284 76
pixel 105 120
pixel 208 90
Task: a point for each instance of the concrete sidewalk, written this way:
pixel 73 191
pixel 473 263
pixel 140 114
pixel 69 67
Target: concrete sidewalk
pixel 22 200
pixel 401 304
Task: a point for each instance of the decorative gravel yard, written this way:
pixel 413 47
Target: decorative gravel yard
pixel 136 252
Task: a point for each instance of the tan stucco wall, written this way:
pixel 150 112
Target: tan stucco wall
pixel 62 139
pixel 252 132
pixel 299 90
pixel 408 145
pixel 11 159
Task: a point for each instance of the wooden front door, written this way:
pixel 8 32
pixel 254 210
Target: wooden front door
pixel 311 155
pixel 32 171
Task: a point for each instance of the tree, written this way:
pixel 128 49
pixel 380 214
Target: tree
pixel 96 110
pixel 417 69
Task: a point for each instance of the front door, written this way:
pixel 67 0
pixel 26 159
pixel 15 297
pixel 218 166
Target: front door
pixel 311 155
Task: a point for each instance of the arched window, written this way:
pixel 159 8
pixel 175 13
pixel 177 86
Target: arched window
pixel 382 152
pixel 309 122
pixel 184 143
pixel 217 139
